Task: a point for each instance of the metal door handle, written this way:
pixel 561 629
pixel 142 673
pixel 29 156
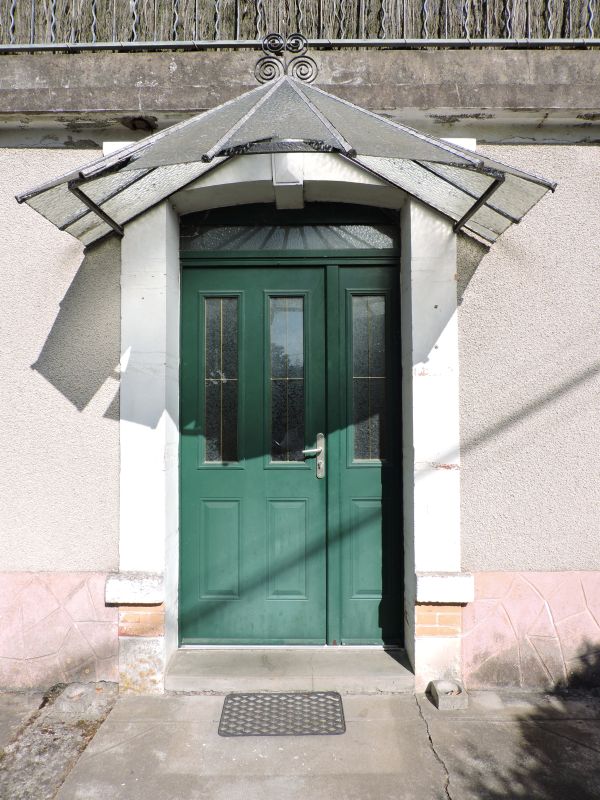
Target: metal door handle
pixel 319 452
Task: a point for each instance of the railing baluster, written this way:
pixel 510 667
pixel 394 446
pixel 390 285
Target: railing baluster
pixel 32 23
pixel 300 16
pixel 94 21
pixel 73 21
pixel 590 11
pixel 260 15
pixel 342 19
pixel 383 15
pixel 507 19
pixel 11 21
pixel 465 18
pixel 549 18
pixel 425 19
pixel 52 21
pixel 217 19
pixel 135 18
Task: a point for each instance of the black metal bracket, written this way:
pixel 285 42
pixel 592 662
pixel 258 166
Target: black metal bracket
pixel 74 188
pixel 498 181
pixel 285 57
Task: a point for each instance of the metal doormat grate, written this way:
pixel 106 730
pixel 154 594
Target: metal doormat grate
pixel 282 714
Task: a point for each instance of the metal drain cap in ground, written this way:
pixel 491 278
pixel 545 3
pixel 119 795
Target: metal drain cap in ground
pixel 282 714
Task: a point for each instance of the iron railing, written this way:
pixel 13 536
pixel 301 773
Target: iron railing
pixel 203 24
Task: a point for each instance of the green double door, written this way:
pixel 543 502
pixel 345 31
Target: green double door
pixel 279 545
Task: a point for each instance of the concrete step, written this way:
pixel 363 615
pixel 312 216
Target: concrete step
pixel 346 670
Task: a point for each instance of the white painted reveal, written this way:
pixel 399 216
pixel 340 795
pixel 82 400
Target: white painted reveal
pixel 289 180
pixel 134 587
pixel 431 443
pixel 149 422
pixel 445 587
pixel 150 358
pixel 430 363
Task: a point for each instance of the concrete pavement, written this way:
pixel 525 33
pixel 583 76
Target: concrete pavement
pixel 44 735
pixel 308 669
pixel 397 747
pixel 16 708
pixel 518 745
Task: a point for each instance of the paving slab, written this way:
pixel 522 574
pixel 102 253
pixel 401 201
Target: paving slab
pixel 397 747
pixel 282 670
pixel 16 708
pixel 167 748
pixel 511 745
pixel 49 740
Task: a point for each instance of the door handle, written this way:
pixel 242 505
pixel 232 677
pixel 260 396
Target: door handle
pixel 319 452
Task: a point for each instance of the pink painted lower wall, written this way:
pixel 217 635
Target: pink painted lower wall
pixel 54 627
pixel 533 630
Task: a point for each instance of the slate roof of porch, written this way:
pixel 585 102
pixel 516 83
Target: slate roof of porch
pixel 481 195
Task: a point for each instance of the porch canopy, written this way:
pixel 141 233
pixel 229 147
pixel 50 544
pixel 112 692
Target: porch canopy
pixel 481 195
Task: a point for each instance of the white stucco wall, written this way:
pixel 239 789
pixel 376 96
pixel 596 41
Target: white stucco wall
pixel 529 332
pixel 59 350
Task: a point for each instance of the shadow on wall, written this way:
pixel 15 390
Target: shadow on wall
pixel 469 254
pixel 82 349
pixel 556 754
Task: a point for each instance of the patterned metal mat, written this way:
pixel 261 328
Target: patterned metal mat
pixel 283 714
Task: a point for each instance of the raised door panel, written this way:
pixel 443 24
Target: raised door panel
pixel 287 531
pixel 218 564
pixel 252 511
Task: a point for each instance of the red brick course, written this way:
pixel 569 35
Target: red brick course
pixel 435 619
pixel 147 620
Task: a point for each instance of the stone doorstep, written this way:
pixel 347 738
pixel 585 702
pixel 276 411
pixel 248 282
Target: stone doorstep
pixel 224 670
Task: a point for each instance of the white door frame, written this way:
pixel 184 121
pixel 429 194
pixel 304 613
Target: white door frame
pixel 149 408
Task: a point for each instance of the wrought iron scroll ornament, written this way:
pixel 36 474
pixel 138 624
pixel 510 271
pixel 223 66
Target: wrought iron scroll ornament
pixel 285 57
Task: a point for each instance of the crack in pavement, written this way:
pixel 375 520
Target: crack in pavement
pixel 438 758
pixel 39 758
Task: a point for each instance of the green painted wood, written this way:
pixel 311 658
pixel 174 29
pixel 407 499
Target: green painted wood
pixel 257 565
pixel 334 435
pixel 251 258
pixel 253 545
pixel 368 492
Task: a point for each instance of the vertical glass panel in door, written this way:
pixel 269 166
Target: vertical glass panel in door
pixel 368 376
pixel 286 329
pixel 221 379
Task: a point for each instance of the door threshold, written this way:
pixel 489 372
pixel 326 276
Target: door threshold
pixel 348 670
pixel 317 647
